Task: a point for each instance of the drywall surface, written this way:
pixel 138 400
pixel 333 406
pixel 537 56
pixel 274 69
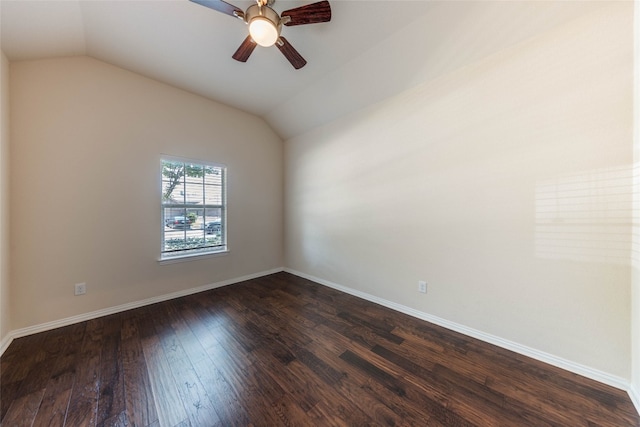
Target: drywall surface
pixel 87 139
pixel 437 37
pixel 506 185
pixel 5 306
pixel 635 248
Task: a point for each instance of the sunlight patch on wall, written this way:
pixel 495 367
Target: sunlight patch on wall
pixel 587 217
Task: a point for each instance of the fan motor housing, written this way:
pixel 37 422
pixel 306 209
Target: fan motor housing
pixel 265 12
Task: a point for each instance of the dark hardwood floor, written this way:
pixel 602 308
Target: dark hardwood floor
pixel 281 350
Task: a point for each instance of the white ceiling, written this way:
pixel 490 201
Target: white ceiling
pixel 369 51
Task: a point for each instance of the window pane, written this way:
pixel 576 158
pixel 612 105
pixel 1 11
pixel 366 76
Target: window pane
pixel 194 193
pixel 194 173
pixel 213 175
pixel 172 182
pixel 175 226
pixel 213 194
pixel 214 226
pixel 196 216
pixel 173 192
pixel 213 223
pixel 213 214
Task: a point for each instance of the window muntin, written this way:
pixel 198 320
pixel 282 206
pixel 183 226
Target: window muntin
pixel 193 208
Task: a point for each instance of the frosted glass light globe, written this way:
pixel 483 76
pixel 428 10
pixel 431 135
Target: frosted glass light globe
pixel 263 31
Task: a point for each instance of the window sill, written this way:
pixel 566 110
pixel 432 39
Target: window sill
pixel 192 257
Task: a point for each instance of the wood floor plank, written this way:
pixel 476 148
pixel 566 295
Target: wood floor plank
pixel 83 403
pixel 15 362
pixel 224 391
pixel 140 403
pixel 193 396
pixel 282 350
pixel 111 397
pixel 247 381
pixel 23 410
pixel 165 393
pixel 36 379
pixel 54 404
pixel 345 411
pixel 289 413
pixel 371 396
pixel 301 390
pixel 189 343
pixel 116 420
pixel 7 389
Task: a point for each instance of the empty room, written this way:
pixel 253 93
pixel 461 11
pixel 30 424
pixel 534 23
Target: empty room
pixel 319 213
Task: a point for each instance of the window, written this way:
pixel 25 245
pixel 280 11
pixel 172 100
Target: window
pixel 193 208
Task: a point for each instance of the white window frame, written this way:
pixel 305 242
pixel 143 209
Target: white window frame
pixel 194 253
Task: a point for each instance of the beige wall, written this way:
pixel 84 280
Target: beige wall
pixel 635 329
pixel 86 144
pixel 506 185
pixel 5 306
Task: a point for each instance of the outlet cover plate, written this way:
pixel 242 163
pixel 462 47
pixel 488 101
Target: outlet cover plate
pixel 422 286
pixel 80 289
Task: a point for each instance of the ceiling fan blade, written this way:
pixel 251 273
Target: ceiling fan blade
pixel 290 53
pixel 245 50
pixel 310 14
pixel 221 6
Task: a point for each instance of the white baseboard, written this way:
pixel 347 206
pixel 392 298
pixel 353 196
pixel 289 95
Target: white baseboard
pixel 568 365
pixel 634 396
pixel 586 371
pixel 6 341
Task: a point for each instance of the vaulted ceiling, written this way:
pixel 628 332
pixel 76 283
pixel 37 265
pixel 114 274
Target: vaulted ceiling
pixel 369 51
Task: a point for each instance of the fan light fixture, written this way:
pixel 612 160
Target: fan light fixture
pixel 263 31
pixel 265 25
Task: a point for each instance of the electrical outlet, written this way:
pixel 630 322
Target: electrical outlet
pixel 80 289
pixel 422 286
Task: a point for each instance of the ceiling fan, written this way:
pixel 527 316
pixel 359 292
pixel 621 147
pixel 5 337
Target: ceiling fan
pixel 265 25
